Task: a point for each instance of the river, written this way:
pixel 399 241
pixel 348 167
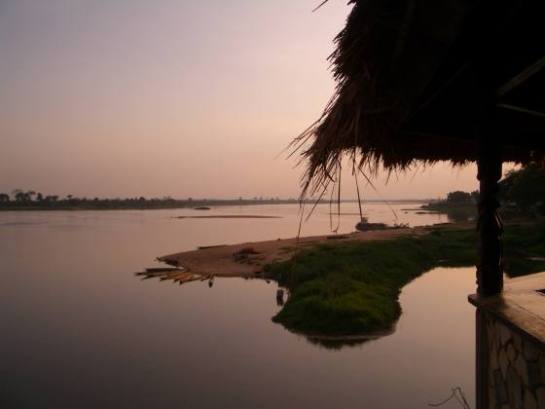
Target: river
pixel 80 330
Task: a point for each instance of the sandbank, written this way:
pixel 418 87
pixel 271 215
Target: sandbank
pixel 249 259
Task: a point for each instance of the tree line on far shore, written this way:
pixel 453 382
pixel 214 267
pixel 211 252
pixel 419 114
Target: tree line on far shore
pixel 30 200
pixel 522 192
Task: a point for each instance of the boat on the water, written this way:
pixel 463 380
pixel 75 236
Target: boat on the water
pixel 364 225
pixel 361 226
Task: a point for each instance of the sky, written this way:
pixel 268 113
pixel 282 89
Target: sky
pixel 187 98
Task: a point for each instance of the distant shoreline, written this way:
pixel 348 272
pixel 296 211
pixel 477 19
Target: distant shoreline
pixel 161 204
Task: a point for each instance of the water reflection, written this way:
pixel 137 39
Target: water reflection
pixel 431 350
pixel 78 331
pixel 338 343
pixel 180 276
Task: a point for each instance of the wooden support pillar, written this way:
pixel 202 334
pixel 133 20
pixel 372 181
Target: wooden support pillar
pixel 490 226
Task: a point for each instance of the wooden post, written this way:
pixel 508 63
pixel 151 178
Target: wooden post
pixel 489 269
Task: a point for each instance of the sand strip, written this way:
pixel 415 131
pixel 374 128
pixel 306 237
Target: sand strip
pixel 229 216
pixel 248 259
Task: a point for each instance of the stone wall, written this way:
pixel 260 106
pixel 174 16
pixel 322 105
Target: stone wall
pixel 512 365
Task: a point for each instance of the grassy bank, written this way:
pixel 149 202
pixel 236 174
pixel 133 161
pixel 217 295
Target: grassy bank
pixel 353 287
pixel 455 212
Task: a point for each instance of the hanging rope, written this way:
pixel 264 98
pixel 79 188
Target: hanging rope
pixel 456 394
pixel 355 173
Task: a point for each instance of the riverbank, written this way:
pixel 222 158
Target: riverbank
pixel 455 212
pixel 353 288
pixel 251 259
pixel 348 285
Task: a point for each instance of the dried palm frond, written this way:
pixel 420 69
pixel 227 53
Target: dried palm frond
pixel 392 58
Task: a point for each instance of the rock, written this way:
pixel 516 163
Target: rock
pixel 517 343
pixel 514 389
pixel 531 353
pixel 247 250
pixel 244 253
pixel 500 393
pixel 529 400
pixel 491 333
pixel 522 370
pixel 511 354
pixel 504 363
pixel 540 393
pixel 542 369
pixel 494 364
pixel 534 374
pixel 505 334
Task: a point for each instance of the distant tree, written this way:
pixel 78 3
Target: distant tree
pixel 459 197
pixel 4 198
pixel 525 188
pixel 22 196
pixel 39 197
pixel 18 194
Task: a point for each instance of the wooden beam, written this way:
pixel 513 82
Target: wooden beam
pixel 521 110
pixel 521 77
pixel 489 269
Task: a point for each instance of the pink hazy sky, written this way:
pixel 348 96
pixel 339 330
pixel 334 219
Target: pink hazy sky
pixel 180 98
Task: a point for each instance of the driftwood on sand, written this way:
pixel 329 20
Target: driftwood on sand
pixel 178 275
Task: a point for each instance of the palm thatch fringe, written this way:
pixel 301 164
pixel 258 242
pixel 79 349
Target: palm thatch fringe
pixel 387 62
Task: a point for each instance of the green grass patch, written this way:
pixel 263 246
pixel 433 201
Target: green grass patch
pixel 352 288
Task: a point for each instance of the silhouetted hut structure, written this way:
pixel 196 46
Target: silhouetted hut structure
pixel 458 81
pixel 428 81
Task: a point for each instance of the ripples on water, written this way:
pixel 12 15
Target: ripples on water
pixel 79 331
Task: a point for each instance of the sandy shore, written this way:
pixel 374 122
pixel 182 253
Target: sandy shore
pixel 229 216
pixel 248 259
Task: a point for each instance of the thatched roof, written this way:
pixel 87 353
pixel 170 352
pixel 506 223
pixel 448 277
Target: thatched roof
pixel 432 80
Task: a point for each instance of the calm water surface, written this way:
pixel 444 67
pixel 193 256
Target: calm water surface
pixel 79 330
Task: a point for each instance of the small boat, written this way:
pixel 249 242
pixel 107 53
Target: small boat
pixel 364 225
